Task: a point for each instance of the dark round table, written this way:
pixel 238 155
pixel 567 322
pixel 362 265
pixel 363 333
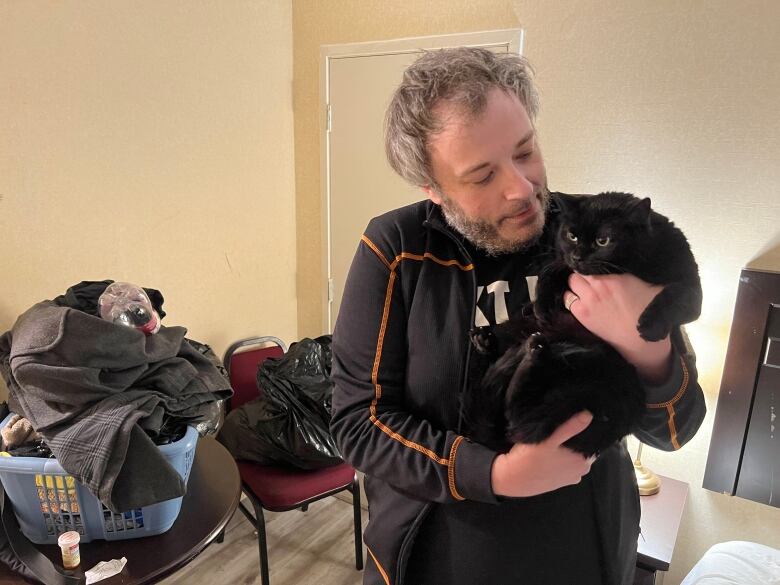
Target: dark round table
pixel 213 492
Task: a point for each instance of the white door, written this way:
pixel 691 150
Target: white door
pixel 358 183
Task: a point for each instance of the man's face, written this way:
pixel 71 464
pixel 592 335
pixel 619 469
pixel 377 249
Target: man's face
pixel 493 184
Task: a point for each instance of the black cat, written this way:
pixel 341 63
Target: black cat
pixel 543 366
pixel 615 233
pixel 545 378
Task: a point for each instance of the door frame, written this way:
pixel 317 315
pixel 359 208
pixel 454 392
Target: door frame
pixel 510 38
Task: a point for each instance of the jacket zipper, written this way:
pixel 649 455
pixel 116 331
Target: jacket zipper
pixel 402 552
pixel 465 372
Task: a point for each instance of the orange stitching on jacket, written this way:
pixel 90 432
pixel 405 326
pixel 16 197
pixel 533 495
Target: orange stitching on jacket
pixel 373 246
pixel 430 256
pixel 392 434
pixel 672 427
pixel 669 405
pixel 378 387
pixel 380 343
pixel 381 340
pixel 451 469
pixel 680 392
pixel 378 566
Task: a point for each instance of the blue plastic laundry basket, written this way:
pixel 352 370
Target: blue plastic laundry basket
pixel 47 501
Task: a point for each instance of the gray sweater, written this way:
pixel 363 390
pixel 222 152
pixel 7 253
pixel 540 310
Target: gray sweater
pixel 88 386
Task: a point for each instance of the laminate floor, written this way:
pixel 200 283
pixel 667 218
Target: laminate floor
pixel 304 548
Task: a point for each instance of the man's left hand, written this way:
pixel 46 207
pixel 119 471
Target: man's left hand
pixel 609 306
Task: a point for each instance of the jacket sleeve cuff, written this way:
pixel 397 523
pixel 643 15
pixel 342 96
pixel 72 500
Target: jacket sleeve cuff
pixel 673 388
pixel 469 470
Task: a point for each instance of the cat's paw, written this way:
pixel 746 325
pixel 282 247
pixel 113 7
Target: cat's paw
pixel 484 340
pixel 536 342
pixel 651 328
pixel 545 308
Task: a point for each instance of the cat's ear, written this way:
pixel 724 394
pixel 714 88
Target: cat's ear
pixel 568 204
pixel 642 210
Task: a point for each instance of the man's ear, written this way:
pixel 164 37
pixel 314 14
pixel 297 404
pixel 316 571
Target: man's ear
pixel 432 194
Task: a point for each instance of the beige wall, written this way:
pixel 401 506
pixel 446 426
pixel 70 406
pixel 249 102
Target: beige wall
pixel 178 117
pixel 318 23
pixel 673 100
pixel 677 101
pixel 151 142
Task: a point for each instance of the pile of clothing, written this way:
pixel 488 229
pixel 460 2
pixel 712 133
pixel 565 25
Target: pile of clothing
pixel 99 394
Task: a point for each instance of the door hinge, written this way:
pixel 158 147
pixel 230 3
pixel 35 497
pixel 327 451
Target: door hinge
pixel 329 118
pixel 330 290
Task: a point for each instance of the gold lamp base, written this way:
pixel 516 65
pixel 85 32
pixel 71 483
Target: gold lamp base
pixel 647 481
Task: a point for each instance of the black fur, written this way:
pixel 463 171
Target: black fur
pixel 636 240
pixel 541 368
pixel 544 378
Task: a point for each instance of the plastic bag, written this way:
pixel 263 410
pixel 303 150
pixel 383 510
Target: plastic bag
pixel 289 422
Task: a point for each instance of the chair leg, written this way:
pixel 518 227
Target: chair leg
pixel 246 513
pixel 220 537
pixel 261 542
pixel 304 508
pixel 358 527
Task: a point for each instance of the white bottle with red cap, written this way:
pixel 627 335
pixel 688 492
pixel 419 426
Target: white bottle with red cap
pixel 69 544
pixel 126 304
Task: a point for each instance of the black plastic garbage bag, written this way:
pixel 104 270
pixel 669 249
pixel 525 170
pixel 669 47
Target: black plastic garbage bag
pixel 289 422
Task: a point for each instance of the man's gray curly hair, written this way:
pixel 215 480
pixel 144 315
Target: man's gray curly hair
pixel 463 76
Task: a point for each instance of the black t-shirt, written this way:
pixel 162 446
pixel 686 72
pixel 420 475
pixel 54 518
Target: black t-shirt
pixel 521 541
pixel 504 284
pixel 550 539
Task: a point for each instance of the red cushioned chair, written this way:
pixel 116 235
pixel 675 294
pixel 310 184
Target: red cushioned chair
pixel 281 488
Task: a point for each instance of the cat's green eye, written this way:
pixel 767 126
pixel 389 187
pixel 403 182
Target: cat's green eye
pixel 602 242
pixel 571 236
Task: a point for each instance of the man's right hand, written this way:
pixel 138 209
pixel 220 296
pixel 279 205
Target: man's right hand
pixel 529 470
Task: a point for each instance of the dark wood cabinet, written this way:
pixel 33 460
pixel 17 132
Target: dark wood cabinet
pixel 744 455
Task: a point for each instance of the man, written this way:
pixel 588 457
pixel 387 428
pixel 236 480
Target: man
pixel 444 509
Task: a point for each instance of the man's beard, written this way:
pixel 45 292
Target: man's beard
pixel 485 236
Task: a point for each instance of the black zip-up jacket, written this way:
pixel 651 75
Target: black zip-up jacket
pixel 400 361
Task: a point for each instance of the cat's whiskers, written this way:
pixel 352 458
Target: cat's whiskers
pixel 598 267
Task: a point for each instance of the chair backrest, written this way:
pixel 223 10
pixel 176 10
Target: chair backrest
pixel 242 360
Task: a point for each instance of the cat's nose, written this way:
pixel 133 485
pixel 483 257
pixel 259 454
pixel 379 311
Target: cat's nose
pixel 575 256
